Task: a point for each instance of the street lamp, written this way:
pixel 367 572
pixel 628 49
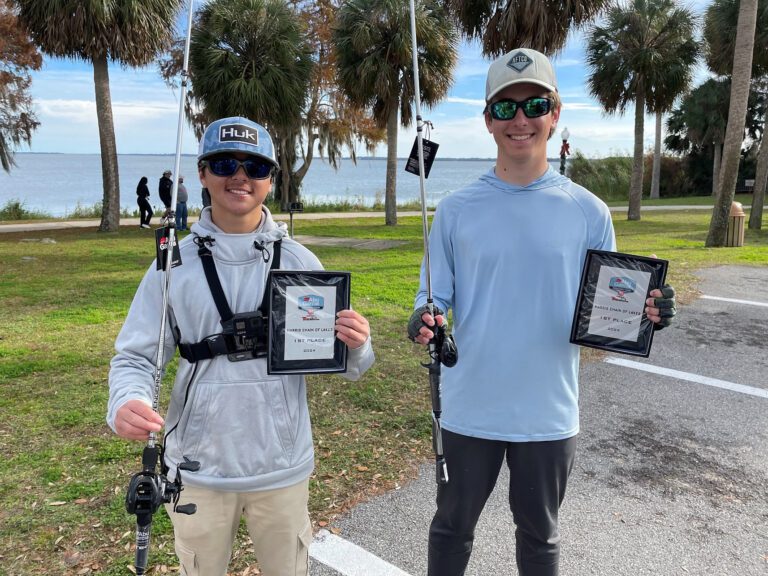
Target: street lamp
pixel 565 149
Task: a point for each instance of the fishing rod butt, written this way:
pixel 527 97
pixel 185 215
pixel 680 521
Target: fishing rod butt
pixel 143 532
pixel 441 471
pixel 441 467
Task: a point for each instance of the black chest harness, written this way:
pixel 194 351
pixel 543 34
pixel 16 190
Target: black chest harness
pixel 244 336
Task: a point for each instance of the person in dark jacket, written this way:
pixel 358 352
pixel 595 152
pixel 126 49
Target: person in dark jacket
pixel 142 199
pixel 165 189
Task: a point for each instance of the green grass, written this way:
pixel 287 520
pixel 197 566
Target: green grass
pixel 64 473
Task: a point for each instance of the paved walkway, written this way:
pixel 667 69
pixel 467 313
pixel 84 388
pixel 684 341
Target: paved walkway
pixel 357 243
pixel 669 476
pixel 94 222
pixel 91 223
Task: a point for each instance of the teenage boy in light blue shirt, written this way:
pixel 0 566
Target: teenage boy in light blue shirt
pixel 506 256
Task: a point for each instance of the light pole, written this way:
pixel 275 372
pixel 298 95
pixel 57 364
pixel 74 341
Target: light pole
pixel 565 149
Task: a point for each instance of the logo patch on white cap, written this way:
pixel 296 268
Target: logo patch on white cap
pixel 238 133
pixel 519 61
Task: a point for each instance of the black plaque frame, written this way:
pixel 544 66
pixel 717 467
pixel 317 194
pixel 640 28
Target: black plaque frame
pixel 279 282
pixel 591 289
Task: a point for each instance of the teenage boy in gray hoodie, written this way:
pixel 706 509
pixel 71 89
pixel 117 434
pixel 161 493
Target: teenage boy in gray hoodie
pixel 249 431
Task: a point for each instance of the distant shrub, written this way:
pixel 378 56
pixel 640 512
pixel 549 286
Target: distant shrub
pixel 94 211
pixel 15 210
pixel 81 211
pixel 608 178
pixel 674 180
pixel 352 205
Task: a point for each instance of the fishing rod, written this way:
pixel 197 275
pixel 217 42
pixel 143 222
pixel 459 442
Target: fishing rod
pixel 442 349
pixel 148 489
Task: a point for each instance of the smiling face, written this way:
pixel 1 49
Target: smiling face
pixel 522 141
pixel 236 200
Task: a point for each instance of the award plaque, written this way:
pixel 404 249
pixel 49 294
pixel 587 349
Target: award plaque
pixel 610 308
pixel 302 316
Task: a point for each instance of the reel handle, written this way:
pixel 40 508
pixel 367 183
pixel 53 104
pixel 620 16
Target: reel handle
pixel 189 465
pixel 187 509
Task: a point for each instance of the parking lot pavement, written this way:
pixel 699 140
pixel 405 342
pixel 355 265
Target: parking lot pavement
pixel 670 476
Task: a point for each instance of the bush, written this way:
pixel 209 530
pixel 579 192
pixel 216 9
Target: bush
pixel 607 178
pixel 15 210
pixel 674 181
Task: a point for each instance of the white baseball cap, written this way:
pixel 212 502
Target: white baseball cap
pixel 519 66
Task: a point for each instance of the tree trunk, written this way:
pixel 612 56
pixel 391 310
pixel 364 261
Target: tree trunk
pixel 737 113
pixel 298 176
pixel 390 193
pixel 110 206
pixel 656 174
pixel 283 190
pixel 758 192
pixel 288 185
pixel 636 184
pixel 718 157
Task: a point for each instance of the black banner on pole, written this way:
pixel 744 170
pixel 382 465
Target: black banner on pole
pixel 429 148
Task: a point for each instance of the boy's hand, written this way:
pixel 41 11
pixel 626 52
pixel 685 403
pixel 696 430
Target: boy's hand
pixel 660 307
pixel 135 420
pixel 352 328
pixel 420 323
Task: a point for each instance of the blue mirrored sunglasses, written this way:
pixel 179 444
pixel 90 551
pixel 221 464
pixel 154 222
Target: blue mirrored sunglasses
pixel 254 168
pixel 531 107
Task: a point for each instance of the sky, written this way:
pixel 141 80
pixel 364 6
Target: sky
pixel 146 110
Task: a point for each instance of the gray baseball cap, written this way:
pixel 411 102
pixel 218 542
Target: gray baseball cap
pixel 519 66
pixel 237 134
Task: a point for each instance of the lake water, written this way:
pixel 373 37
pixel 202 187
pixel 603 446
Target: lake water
pixel 57 183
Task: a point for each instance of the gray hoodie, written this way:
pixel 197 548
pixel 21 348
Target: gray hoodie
pixel 249 430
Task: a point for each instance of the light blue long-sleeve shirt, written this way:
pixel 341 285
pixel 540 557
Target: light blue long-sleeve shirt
pixel 507 261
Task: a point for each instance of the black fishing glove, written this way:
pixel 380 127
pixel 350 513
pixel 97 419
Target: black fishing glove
pixel 666 305
pixel 415 323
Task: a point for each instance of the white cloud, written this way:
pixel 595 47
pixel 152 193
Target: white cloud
pixel 146 111
pixel 72 111
pixel 470 101
pixel 581 106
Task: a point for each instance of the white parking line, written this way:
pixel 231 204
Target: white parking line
pixel 349 559
pixel 735 300
pixel 759 392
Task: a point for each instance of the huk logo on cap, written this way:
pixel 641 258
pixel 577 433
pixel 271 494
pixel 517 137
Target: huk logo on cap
pixel 238 133
pixel 519 61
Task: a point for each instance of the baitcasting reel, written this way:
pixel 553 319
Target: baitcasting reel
pixel 445 347
pixel 147 491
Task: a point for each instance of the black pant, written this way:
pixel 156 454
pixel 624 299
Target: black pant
pixel 538 475
pixel 145 210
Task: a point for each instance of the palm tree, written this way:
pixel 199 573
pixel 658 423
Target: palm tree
pixel 720 33
pixel 330 123
pixel 741 73
pixel 699 121
pixel 131 32
pixel 375 64
pixel 542 25
pixel 251 58
pixel 644 52
pixel 17 57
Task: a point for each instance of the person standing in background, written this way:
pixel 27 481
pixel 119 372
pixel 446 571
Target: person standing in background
pixel 142 199
pixel 181 205
pixel 165 190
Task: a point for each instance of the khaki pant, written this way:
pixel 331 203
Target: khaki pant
pixel 278 522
